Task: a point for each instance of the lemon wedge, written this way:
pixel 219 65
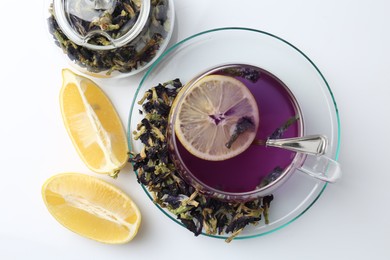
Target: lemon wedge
pixel 208 114
pixel 93 124
pixel 91 207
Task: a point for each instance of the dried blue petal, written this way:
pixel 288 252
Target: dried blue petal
pixel 243 124
pixel 247 72
pixel 240 223
pixel 195 228
pixel 174 201
pixel 278 133
pixel 271 177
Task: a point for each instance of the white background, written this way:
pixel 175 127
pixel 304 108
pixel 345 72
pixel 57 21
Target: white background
pixel 349 40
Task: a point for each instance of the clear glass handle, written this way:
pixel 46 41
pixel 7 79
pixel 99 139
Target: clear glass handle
pixel 322 167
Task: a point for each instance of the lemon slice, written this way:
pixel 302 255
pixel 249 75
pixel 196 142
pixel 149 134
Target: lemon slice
pixel 91 207
pixel 208 114
pixel 93 124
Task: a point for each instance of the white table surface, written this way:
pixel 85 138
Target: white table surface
pixel 348 40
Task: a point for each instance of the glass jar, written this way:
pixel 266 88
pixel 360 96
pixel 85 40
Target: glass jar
pixel 111 38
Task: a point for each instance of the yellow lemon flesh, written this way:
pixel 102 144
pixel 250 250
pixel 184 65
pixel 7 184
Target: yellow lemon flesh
pixel 208 114
pixel 91 207
pixel 93 124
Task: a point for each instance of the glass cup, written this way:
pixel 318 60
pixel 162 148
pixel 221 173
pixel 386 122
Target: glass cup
pixel 318 166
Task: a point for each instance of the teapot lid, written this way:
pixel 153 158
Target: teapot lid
pixel 101 24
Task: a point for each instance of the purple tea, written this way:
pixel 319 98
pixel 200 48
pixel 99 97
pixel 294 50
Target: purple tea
pixel 246 171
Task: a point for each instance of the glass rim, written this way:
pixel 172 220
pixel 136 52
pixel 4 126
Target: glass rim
pixel 176 45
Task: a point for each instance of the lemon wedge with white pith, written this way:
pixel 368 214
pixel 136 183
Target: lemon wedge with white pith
pixel 93 124
pixel 91 207
pixel 207 116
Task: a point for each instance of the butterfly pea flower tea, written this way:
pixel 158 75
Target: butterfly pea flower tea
pixel 240 177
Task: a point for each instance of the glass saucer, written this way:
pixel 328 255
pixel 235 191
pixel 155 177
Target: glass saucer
pixel 233 45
